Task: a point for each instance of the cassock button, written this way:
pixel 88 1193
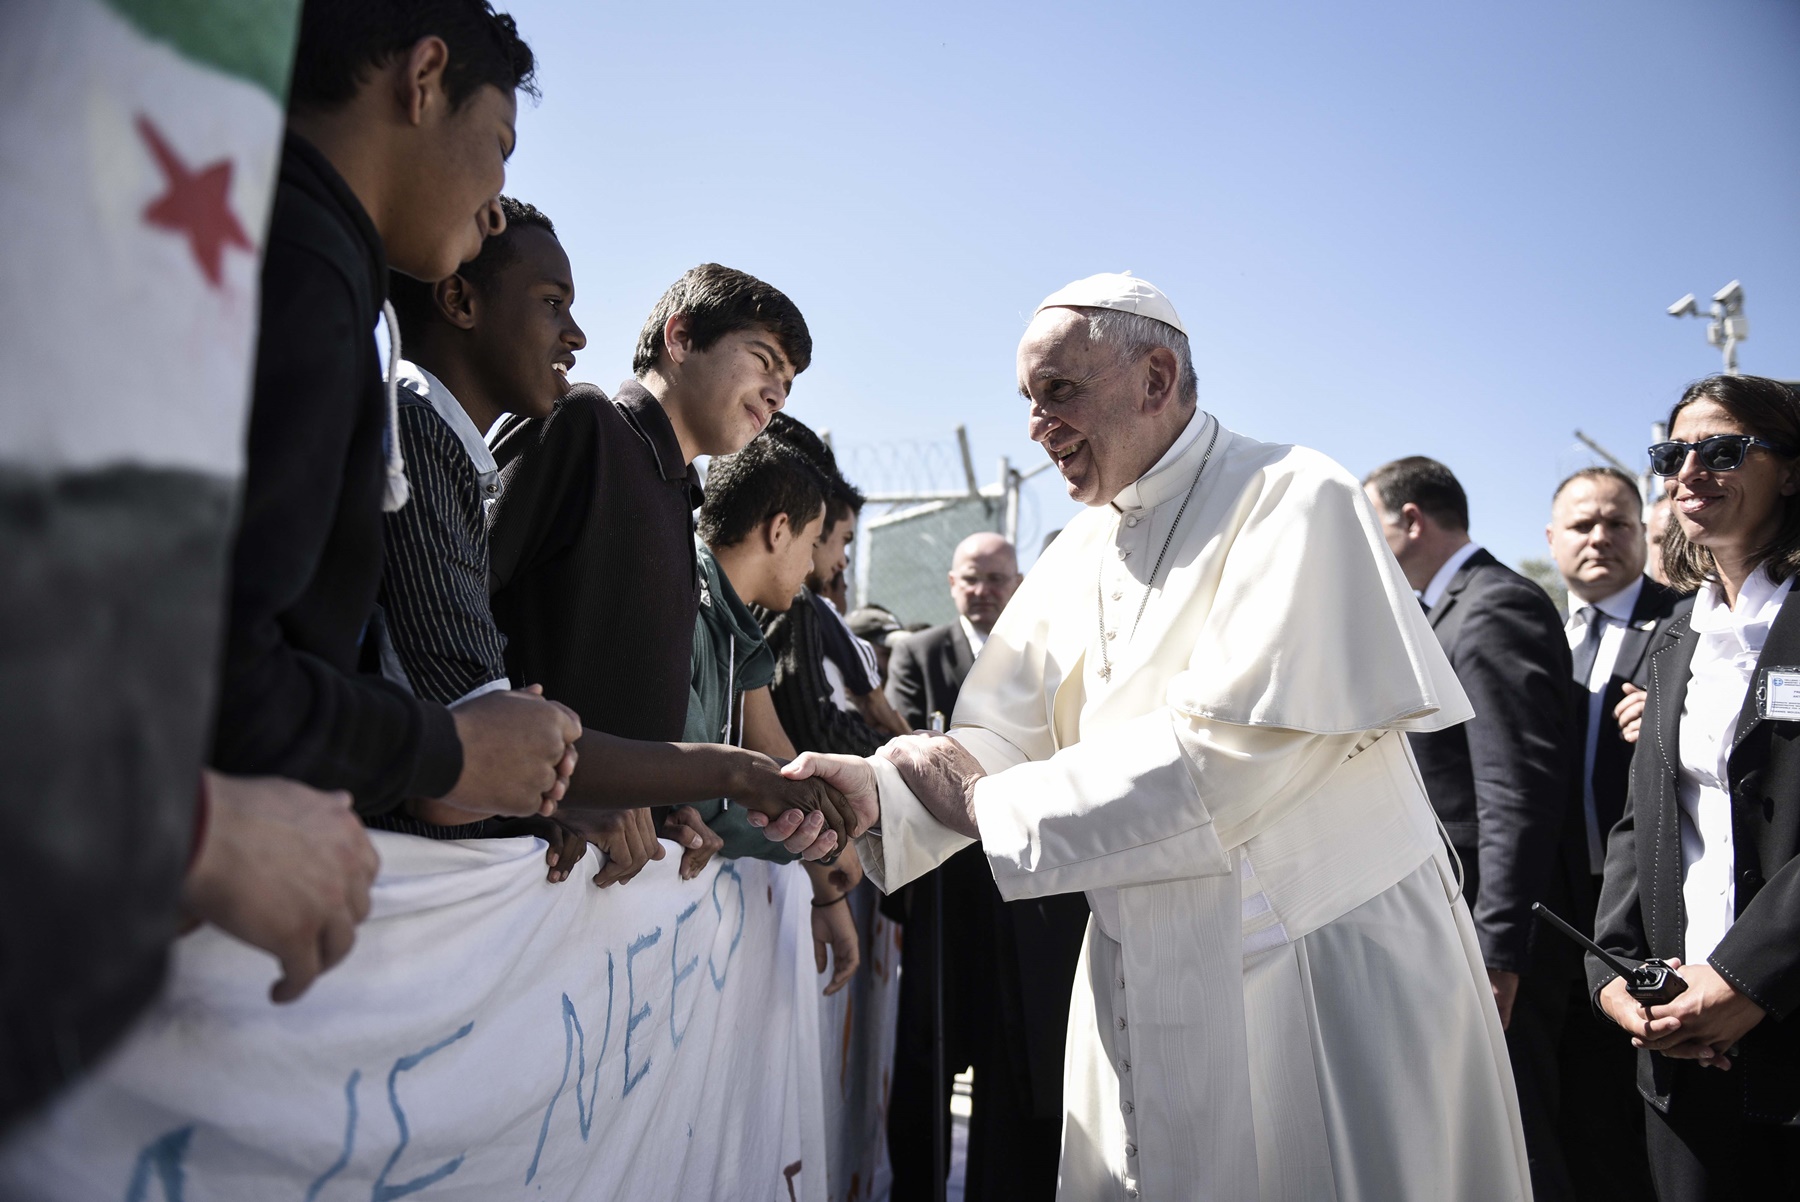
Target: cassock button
pixel 1131 521
pixel 1121 982
pixel 1124 1066
pixel 1132 1192
pixel 1129 1108
pixel 1117 595
pixel 1124 552
pixel 1131 1149
pixel 1121 1024
pixel 1112 634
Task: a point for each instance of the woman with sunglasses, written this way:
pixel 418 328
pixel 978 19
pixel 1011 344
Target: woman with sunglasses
pixel 1703 870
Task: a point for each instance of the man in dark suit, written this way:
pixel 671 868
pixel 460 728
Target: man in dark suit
pixel 1008 966
pixel 1502 783
pixel 1596 535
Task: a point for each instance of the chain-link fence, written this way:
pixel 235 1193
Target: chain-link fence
pixel 904 557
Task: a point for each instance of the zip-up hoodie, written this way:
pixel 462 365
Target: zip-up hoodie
pixel 301 696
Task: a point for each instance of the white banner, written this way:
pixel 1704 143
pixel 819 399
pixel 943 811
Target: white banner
pixel 858 1050
pixel 491 1036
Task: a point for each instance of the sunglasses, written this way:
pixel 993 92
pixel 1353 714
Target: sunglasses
pixel 1720 453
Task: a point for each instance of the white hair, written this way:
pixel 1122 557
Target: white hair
pixel 1133 335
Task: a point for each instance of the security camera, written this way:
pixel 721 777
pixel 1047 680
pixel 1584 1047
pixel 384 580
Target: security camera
pixel 1731 295
pixel 1687 306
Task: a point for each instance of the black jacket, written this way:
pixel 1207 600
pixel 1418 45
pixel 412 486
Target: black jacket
pixel 1502 782
pixel 926 673
pixel 1641 911
pixel 1656 610
pixel 594 576
pixel 1037 939
pixel 308 557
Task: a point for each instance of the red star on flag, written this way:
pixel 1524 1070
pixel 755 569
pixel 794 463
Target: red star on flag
pixel 197 205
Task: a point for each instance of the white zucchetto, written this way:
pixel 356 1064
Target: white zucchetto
pixel 1115 290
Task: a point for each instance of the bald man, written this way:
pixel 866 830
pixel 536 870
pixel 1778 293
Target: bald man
pixel 927 670
pixel 1008 967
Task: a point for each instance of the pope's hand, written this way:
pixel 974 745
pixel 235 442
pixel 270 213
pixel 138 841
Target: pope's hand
pixel 941 774
pixel 852 777
pixel 808 816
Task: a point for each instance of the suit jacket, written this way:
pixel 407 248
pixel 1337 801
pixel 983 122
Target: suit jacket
pixel 926 672
pixel 1657 607
pixel 1041 936
pixel 1641 909
pixel 1502 782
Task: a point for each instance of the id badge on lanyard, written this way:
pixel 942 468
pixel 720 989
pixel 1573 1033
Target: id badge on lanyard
pixel 1778 694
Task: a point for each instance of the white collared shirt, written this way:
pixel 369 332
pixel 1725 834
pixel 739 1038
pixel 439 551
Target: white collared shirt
pixel 977 640
pixel 1724 664
pixel 444 403
pixel 1434 592
pixel 1614 616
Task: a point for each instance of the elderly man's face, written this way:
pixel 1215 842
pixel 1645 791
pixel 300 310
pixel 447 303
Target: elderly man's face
pixel 1086 406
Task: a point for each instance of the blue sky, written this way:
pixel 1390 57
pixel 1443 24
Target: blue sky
pixel 1412 228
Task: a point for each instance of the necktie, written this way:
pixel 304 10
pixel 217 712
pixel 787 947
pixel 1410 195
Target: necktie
pixel 1590 643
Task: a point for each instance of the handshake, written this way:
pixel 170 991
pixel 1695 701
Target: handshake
pixel 521 750
pixel 805 806
pixel 819 791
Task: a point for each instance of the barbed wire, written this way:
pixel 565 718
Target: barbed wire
pixel 904 465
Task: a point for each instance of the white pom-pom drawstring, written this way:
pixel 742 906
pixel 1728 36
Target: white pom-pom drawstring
pixel 396 491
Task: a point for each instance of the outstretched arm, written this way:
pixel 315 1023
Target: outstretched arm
pixel 1158 798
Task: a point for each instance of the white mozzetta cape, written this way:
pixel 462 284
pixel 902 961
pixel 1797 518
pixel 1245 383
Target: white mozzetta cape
pixel 1282 997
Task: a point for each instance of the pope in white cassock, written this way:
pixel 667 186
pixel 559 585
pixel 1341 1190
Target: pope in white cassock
pixel 1192 710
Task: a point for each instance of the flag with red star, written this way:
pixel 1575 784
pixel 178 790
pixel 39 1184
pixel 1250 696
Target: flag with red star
pixel 139 141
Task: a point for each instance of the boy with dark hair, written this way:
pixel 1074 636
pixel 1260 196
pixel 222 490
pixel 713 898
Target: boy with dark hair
pixel 764 512
pixel 596 583
pixel 810 639
pixel 497 337
pixel 764 509
pixel 400 120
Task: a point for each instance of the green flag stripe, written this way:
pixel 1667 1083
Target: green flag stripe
pixel 250 39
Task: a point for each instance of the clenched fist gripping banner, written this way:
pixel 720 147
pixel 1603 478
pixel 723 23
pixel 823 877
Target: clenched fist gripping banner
pixel 492 1036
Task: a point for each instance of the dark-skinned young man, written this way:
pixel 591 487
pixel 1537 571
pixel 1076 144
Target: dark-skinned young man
pixel 499 337
pixel 595 581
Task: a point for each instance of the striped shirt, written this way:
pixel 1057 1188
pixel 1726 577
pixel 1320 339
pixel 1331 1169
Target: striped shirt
pixel 434 583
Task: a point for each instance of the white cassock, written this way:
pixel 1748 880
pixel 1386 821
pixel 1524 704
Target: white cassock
pixel 1280 996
